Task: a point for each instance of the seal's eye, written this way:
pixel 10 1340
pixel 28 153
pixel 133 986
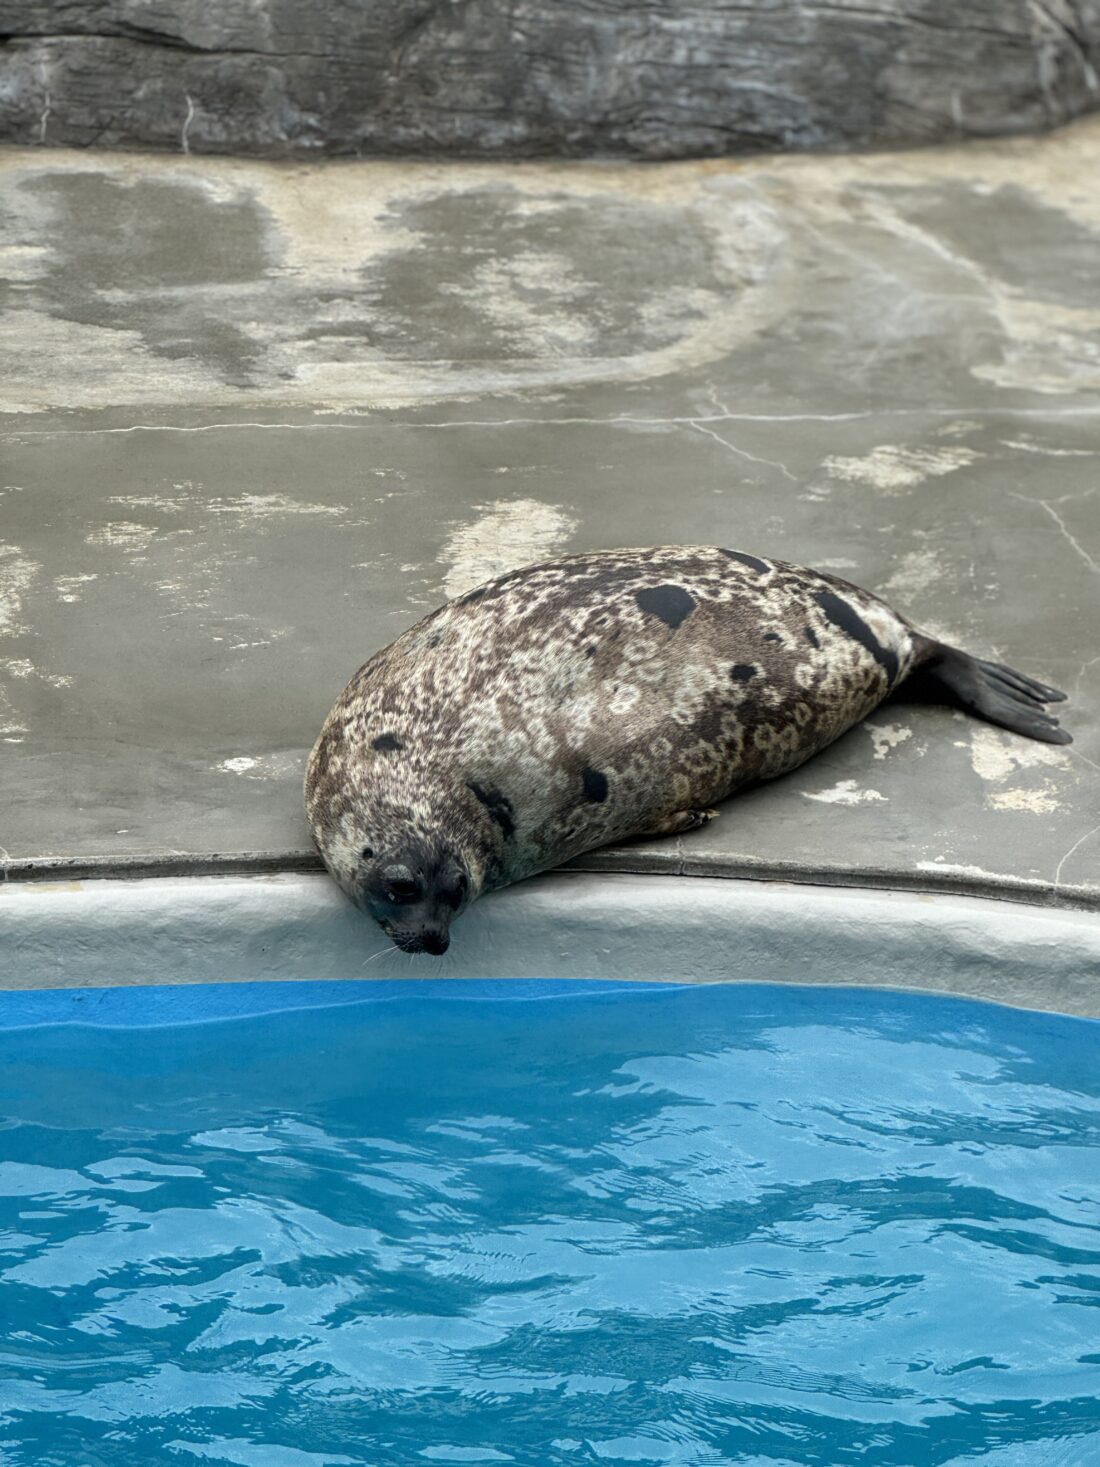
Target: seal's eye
pixel 403 891
pixel 367 853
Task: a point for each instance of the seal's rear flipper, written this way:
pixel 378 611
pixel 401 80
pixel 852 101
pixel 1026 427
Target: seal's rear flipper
pixel 994 692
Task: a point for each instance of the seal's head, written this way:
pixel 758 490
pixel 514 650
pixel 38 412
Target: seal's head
pixel 413 892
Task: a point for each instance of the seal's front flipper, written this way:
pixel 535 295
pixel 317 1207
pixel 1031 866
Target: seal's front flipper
pixel 683 820
pixel 994 692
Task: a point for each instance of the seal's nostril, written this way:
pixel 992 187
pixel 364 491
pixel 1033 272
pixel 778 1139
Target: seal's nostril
pixel 436 943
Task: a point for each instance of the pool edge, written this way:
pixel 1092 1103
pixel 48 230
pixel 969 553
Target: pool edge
pixel 288 926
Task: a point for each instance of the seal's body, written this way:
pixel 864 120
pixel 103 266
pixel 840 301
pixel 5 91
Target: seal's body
pixel 598 697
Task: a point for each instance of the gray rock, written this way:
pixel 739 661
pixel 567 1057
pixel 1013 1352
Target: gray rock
pixel 640 78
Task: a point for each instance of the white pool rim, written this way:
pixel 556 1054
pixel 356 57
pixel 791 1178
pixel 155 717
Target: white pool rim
pixel 287 927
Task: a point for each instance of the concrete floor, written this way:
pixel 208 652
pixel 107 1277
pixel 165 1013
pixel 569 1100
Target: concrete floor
pixel 259 418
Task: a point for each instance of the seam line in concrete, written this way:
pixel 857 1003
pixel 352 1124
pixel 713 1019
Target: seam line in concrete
pixel 611 862
pixel 615 420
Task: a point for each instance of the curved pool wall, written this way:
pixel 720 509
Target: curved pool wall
pixel 214 930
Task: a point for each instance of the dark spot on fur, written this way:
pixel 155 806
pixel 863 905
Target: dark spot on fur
pixel 595 785
pixel 590 651
pixel 742 671
pixel 845 616
pixel 367 853
pixel 387 744
pixel 811 636
pixel 772 637
pixel 472 596
pixel 749 560
pixel 499 806
pixel 671 603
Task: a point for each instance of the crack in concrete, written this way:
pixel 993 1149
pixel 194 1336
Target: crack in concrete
pixel 615 420
pixel 742 452
pixel 1073 848
pixel 1048 506
pixel 1081 674
pixel 1048 452
pixel 1075 753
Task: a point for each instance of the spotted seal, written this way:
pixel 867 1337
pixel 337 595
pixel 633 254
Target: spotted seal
pixel 599 697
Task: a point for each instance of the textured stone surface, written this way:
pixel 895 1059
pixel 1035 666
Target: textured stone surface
pixel 643 78
pixel 259 419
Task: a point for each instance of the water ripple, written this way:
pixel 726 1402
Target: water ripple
pixel 754 1226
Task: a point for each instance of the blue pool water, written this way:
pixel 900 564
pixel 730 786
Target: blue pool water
pixel 546 1225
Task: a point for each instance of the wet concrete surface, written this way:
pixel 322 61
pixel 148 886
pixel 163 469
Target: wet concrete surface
pixel 259 418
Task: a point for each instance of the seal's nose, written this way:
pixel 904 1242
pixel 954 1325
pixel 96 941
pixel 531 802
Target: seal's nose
pixel 436 943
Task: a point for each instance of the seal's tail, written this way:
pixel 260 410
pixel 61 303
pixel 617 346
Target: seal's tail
pixel 992 691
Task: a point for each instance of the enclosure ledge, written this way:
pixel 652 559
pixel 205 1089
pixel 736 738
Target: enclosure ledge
pixel 289 926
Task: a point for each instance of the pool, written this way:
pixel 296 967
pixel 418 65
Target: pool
pixel 542 1223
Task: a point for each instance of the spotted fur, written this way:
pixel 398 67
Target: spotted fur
pixel 593 698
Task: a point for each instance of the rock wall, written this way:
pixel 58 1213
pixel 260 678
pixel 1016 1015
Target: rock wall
pixel 638 78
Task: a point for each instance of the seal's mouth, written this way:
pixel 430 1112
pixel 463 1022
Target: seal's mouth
pixel 435 943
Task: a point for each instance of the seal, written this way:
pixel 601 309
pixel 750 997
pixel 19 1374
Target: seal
pixel 601 697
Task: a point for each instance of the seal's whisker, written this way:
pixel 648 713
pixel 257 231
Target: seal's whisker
pixel 378 954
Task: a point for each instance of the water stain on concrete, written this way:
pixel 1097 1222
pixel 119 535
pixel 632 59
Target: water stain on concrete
pixel 996 755
pixel 845 792
pixel 17 575
pixel 504 535
pixel 151 256
pixel 885 737
pixel 1011 234
pixel 1040 801
pixel 894 468
pixel 503 275
pixel 212 283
